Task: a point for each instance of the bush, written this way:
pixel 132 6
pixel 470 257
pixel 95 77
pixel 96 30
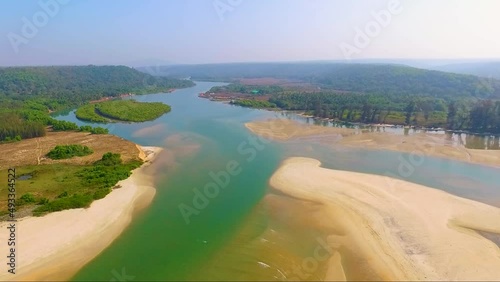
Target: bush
pixel 61 125
pixel 106 176
pixel 74 202
pixel 93 130
pixel 28 198
pixel 110 159
pixel 43 201
pixel 69 151
pixel 62 195
pixel 99 130
pixel 85 128
pixel 101 193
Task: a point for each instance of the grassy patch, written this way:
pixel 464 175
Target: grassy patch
pixel 122 110
pixel 88 113
pixel 58 187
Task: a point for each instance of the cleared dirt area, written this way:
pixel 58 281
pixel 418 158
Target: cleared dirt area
pixel 33 151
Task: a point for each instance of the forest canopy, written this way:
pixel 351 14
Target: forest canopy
pixel 29 94
pixel 122 110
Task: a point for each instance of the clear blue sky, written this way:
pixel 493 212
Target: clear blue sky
pixel 192 31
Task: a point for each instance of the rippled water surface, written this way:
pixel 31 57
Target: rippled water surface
pixel 214 215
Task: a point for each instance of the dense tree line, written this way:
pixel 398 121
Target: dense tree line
pixel 481 116
pixel 247 89
pixel 355 107
pixel 458 114
pixel 13 127
pixel 259 104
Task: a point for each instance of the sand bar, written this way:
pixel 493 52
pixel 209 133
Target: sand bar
pixel 284 129
pixel 422 143
pixel 400 230
pixel 56 246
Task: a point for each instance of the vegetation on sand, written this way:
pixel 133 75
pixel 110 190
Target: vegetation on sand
pixel 69 151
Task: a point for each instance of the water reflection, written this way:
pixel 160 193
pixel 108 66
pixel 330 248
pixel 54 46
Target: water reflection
pixel 469 141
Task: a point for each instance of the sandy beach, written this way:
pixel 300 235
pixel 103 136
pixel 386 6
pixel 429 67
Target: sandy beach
pixel 56 246
pixel 388 229
pixel 422 143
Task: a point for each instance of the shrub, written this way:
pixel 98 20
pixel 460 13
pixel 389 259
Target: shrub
pixel 73 202
pixel 27 198
pixel 101 193
pixel 61 125
pixel 62 195
pixel 43 201
pixel 69 151
pixel 99 130
pixel 110 159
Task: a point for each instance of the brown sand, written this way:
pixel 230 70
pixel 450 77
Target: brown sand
pixel 398 230
pixel 284 129
pixel 56 246
pixel 423 144
pixel 32 151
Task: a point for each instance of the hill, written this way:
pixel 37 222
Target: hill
pixel 78 84
pixel 483 69
pixel 362 78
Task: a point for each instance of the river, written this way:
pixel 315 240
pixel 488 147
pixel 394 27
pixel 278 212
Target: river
pixel 245 230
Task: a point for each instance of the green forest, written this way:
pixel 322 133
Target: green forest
pixel 121 110
pixel 351 77
pixel 247 89
pixel 368 93
pixel 29 94
pixel 455 113
pixel 258 104
pixel 475 115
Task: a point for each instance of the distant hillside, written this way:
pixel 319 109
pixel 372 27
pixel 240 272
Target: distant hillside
pixel 487 70
pixel 363 78
pixel 392 79
pixel 77 84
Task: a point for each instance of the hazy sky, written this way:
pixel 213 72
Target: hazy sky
pixel 210 31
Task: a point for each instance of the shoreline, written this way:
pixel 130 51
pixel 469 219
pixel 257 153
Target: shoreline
pixel 395 230
pixel 419 143
pixel 56 246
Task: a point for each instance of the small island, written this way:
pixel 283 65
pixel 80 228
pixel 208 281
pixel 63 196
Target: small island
pixel 121 110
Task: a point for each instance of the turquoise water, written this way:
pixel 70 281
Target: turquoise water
pixel 220 240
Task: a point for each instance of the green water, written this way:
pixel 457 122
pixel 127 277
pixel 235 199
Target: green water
pixel 240 234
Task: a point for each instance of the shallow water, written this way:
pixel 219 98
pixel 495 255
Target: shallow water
pixel 234 227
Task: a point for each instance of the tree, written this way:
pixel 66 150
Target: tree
pixel 409 110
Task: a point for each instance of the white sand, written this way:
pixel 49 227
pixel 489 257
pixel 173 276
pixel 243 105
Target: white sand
pixel 56 246
pixel 401 230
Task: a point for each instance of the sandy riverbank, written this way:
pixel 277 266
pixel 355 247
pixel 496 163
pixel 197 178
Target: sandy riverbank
pixel 436 145
pixel 56 246
pixel 390 229
pixel 284 129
